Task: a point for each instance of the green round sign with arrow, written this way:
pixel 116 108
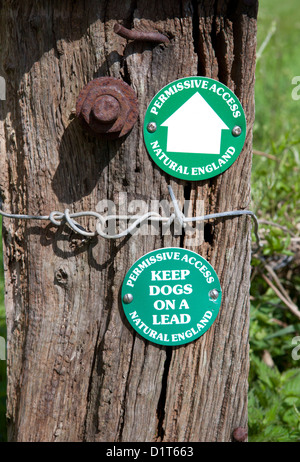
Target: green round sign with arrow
pixel 194 128
pixel 171 296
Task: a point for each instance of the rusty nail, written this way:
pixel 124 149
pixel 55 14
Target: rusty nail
pixel 137 35
pixel 240 434
pixel 107 107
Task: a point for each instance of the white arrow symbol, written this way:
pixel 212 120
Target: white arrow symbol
pixel 195 127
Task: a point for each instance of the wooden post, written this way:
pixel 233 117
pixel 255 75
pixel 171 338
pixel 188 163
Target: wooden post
pixel 76 370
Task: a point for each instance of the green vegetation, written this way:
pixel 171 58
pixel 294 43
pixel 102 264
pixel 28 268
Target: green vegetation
pixel 274 381
pixel 277 114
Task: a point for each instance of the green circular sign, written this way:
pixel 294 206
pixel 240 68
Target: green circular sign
pixel 171 296
pixel 194 128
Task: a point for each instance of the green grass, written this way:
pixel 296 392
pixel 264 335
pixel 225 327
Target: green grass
pixel 274 392
pixel 276 112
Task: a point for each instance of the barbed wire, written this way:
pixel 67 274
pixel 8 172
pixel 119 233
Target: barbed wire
pixel 58 218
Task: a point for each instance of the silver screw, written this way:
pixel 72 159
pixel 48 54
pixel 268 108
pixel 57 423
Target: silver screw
pixel 151 127
pixel 127 298
pixel 213 294
pixel 236 131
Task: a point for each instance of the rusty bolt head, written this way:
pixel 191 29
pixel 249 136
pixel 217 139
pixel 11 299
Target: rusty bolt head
pixel 240 434
pixel 107 107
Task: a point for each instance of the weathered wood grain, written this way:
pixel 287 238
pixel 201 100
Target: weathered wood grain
pixel 76 370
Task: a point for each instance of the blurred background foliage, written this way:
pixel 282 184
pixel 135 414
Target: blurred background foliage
pixel 274 380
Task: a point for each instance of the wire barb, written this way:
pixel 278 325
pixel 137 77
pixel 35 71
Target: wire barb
pixel 57 218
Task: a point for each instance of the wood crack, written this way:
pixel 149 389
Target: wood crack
pixel 196 38
pixel 120 438
pixel 163 396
